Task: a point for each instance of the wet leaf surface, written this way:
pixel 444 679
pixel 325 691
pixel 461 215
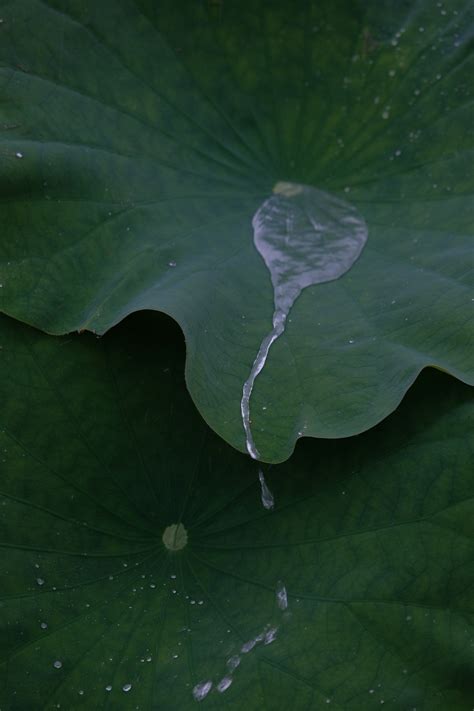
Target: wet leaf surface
pixel 138 143
pixel 354 589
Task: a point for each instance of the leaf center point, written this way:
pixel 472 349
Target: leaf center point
pixel 175 537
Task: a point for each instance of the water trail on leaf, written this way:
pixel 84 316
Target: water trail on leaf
pixel 305 237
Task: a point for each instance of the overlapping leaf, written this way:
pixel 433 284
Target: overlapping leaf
pixel 139 139
pixel 102 449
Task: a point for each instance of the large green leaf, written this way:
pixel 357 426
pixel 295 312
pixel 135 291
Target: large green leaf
pixel 102 450
pixel 139 138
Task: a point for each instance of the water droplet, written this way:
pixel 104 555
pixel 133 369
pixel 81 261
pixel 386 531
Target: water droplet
pixel 44 626
pixel 57 664
pixel 81 692
pixel 224 684
pixel 270 636
pixel 40 581
pixel 282 597
pixel 233 662
pixel 126 687
pixel 19 155
pixel 266 495
pixel 385 114
pixel 201 690
pixel 171 264
pixel 108 687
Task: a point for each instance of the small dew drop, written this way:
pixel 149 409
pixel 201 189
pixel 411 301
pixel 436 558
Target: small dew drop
pixel 270 636
pixel 171 264
pixel 233 662
pixel 224 684
pixel 126 687
pixel 57 664
pixel 282 597
pixel 201 690
pixel 40 581
pixel 248 646
pixel 44 626
pixel 108 687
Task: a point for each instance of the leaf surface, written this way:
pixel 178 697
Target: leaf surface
pixel 354 589
pixel 138 143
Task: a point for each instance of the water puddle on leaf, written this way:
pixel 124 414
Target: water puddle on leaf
pixel 305 237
